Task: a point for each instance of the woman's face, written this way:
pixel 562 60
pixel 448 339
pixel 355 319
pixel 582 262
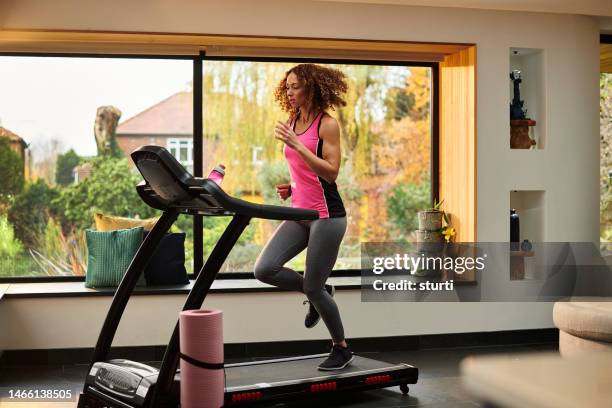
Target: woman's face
pixel 295 91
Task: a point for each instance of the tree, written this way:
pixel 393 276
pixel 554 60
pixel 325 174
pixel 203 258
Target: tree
pixel 418 86
pixel 30 212
pixel 404 151
pixel 11 169
pixel 44 158
pixel 399 103
pixel 355 118
pixel 65 164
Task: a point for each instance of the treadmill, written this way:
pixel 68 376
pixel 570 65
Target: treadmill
pixel 122 383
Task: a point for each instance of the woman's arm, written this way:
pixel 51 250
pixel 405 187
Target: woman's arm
pixel 328 166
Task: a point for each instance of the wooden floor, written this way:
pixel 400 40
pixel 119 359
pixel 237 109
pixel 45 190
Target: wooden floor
pixel 439 384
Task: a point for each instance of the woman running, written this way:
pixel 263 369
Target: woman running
pixel 311 140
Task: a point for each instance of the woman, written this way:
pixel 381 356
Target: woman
pixel 312 148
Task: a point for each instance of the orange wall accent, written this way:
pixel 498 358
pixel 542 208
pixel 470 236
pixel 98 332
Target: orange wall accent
pixel 457 174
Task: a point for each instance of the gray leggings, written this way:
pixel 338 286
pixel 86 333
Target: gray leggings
pixel 322 237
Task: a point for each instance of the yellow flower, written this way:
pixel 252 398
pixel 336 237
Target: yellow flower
pixel 448 232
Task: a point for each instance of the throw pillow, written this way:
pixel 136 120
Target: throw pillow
pixel 111 223
pixel 110 254
pixel 167 265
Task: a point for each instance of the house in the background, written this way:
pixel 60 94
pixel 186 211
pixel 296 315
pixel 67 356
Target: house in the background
pixel 81 172
pixel 19 146
pixel 168 123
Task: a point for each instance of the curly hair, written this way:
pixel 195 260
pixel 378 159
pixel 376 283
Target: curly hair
pixel 324 88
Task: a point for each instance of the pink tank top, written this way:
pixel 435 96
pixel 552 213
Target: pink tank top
pixel 307 189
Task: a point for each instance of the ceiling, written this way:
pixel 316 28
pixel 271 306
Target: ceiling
pixel 601 9
pixel 589 7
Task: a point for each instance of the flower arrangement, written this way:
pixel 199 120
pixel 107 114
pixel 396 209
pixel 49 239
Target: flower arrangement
pixel 447 229
pixel 448 232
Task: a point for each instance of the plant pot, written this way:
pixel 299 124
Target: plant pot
pixel 429 241
pixel 430 220
pixel 429 236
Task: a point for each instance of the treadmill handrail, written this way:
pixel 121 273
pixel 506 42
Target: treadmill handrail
pixel 198 194
pixel 265 211
pixel 172 189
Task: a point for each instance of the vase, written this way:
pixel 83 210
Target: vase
pixel 430 220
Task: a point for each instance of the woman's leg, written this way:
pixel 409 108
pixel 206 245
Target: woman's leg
pixel 323 245
pixel 289 239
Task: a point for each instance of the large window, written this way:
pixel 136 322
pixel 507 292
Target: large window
pixel 68 126
pixel 386 136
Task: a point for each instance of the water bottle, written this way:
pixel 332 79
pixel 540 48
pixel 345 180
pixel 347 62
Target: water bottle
pixel 217 174
pixel 514 230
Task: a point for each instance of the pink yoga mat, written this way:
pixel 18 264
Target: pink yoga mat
pixel 201 335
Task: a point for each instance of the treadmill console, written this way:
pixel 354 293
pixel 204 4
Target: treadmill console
pixel 126 380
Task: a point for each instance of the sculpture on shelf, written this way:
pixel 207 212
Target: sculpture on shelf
pixel 516 107
pixel 519 122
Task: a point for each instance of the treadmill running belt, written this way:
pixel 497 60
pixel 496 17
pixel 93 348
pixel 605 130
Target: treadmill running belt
pixel 295 371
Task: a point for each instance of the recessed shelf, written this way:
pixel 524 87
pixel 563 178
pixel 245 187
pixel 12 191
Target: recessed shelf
pixel 530 62
pixel 529 205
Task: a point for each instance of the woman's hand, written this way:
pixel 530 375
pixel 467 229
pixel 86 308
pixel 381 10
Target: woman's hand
pixel 284 133
pixel 283 190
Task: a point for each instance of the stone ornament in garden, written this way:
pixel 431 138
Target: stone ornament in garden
pixel 107 118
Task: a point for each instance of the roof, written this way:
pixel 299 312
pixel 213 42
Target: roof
pixel 4 132
pixel 172 116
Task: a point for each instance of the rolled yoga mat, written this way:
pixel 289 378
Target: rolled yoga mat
pixel 202 374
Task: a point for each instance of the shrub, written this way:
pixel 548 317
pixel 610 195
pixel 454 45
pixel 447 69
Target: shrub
pixel 404 203
pixel 10 246
pixel 59 253
pixel 110 189
pixel 30 212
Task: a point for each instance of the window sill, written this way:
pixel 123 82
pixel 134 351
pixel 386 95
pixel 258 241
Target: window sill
pixel 78 289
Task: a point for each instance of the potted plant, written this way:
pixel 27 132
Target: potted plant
pixel 434 231
pixel 434 225
pixel 431 219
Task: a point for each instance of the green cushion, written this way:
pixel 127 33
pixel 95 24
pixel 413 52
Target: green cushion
pixel 110 254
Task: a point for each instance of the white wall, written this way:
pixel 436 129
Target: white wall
pixel 567 168
pixel 149 320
